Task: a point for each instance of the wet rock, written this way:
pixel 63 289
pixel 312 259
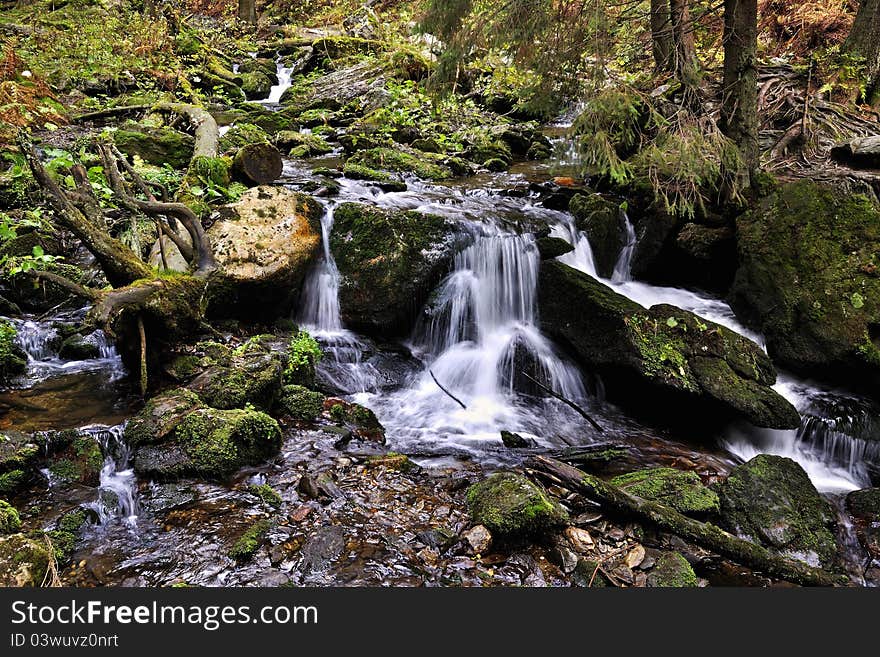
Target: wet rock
pixel 175 436
pixel 360 420
pixel 273 578
pixel 253 376
pixel 360 87
pixel 157 146
pixel 510 505
pixel 668 359
pixel 580 539
pixel 23 561
pixel 771 501
pixel 10 522
pixel 256 85
pixel 241 135
pixel 683 491
pixel 388 262
pixel 164 497
pixel 587 574
pixel 321 549
pixel 392 461
pixel 635 557
pixel 478 538
pixel 78 462
pixel 79 347
pixel 250 541
pixel 563 556
pixel 13 360
pixel 264 245
pixel 438 538
pixel 600 220
pixel 808 280
pixel 864 505
pixel 672 571
pixel 301 403
pixel 552 247
pixel 531 574
pixel 308 487
pixel 300 144
pixel 514 440
pixel 402 159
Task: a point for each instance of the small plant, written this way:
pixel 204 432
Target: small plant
pixel 302 358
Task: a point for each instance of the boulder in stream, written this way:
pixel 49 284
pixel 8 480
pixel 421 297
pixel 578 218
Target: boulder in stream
pixel 660 360
pixel 264 245
pixel 600 220
pixel 510 505
pixel 678 489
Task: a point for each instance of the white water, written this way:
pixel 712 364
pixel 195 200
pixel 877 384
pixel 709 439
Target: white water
pixel 833 459
pixel 284 74
pixel 623 267
pixel 117 495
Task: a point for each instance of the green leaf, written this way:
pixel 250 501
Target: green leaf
pixel 38 251
pixel 672 322
pixel 857 300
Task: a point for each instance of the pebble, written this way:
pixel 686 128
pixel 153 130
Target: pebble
pixel 635 556
pixel 580 539
pixel 479 539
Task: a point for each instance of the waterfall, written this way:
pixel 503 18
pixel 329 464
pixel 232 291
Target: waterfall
pixel 320 308
pixel 623 267
pixel 117 492
pixel 284 74
pixel 830 450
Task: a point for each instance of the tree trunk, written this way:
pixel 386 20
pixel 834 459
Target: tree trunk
pixel 258 163
pixel 667 519
pixel 247 11
pixel 661 34
pixel 864 41
pixel 684 53
pixel 739 99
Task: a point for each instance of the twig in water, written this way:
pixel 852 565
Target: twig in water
pixel 555 394
pixel 454 398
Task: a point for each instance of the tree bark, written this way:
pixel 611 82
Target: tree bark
pixel 864 41
pixel 685 64
pixel 258 163
pixel 739 96
pixel 207 132
pixel 247 11
pixel 661 35
pixel 667 519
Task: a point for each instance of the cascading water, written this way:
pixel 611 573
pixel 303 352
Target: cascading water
pixel 827 447
pixel 623 267
pixel 284 74
pixel 117 495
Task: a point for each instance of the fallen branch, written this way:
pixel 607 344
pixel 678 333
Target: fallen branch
pixel 570 403
pixel 704 534
pixel 206 130
pixel 453 397
pixel 65 283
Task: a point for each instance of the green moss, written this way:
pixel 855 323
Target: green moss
pixel 12 360
pixel 242 134
pixel 10 522
pixel 683 491
pixel 23 561
pixel 249 542
pixel 425 165
pixel 303 355
pixel 301 403
pixel 183 368
pixel 267 494
pixel 661 350
pixel 66 534
pixel 393 461
pixel 360 172
pixel 159 416
pixel 672 571
pixel 157 146
pixel 300 144
pixel 508 504
pixel 12 481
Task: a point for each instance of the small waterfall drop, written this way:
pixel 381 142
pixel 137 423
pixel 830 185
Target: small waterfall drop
pixel 623 267
pixel 284 73
pixel 117 492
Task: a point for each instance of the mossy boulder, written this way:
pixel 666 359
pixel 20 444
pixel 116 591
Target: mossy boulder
pixel 402 159
pixel 23 561
pixel 10 522
pixel 672 571
pixel 191 439
pixel 302 144
pixel 809 279
pixel 600 221
pixel 511 505
pixel 155 145
pixel 552 247
pixel 678 489
pixel 864 506
pixel 240 135
pixel 770 500
pixel 19 456
pixel 252 376
pixel 301 403
pixel 270 121
pixel 67 531
pixel 264 245
pixel 256 85
pixel 13 360
pixel 660 360
pixel 389 262
pixel 358 419
pixel 77 462
pixel 80 347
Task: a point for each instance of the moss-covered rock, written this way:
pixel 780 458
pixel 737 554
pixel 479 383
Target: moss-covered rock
pixel 13 360
pixel 252 376
pixel 510 505
pixel 10 522
pixel 664 360
pixel 600 221
pixel 302 144
pixel 154 145
pixel 19 456
pixel 360 420
pixel 672 571
pixel 301 403
pixel 251 540
pixel 242 134
pixel 23 561
pixel 264 245
pixel 809 278
pixel 78 462
pixel 66 533
pixel 256 85
pixel 771 500
pixel 80 347
pixel 552 247
pixel 267 494
pixel 401 159
pixel 159 417
pixel 269 121
pixel 389 262
pixel 681 490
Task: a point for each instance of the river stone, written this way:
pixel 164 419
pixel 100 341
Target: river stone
pixel 18 459
pixel 10 522
pixel 599 219
pixel 683 491
pixel 388 263
pixel 264 245
pixel 321 549
pixel 510 505
pixel 252 377
pixel 361 85
pixel 864 505
pixel 157 146
pixel 662 360
pixel 80 347
pixel 672 571
pixel 808 280
pixel 770 500
pixel 23 561
pixel 78 461
pixel 552 247
pixel 478 538
pixel 256 85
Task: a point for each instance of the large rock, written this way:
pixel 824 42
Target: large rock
pixel 19 456
pixel 770 500
pixel 251 375
pixel 388 262
pixel 809 280
pixel 681 490
pixel 157 146
pixel 510 505
pixel 176 435
pixel 264 244
pixel 23 561
pixel 360 86
pixel 662 359
pixel 13 360
pixel 672 571
pixel 600 221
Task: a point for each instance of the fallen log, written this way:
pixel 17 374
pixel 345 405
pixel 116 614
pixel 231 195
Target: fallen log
pixel 703 534
pixel 206 131
pixel 258 163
